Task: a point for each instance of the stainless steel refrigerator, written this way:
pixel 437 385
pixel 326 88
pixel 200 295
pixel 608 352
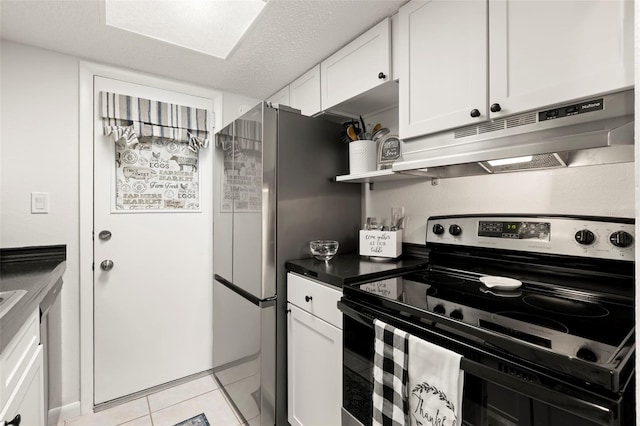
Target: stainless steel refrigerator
pixel 274 192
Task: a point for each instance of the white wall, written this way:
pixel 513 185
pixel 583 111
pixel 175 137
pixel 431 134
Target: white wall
pixel 39 152
pixel 606 190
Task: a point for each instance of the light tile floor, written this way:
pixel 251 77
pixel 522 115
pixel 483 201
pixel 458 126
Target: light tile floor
pixel 166 408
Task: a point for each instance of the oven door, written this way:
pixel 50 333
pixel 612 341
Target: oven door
pixel 497 392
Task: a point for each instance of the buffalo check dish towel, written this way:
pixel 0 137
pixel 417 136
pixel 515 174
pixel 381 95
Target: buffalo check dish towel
pixel 435 384
pixel 390 375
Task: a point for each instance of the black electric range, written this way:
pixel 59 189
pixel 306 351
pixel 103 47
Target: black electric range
pixel 562 323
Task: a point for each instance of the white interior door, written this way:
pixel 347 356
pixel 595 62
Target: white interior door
pixel 153 309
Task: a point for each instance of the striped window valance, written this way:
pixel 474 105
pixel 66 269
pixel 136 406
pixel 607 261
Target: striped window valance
pixel 130 117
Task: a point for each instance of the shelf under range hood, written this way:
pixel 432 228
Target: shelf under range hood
pixel 555 137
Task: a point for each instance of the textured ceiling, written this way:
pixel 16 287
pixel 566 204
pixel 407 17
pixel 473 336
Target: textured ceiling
pixel 287 39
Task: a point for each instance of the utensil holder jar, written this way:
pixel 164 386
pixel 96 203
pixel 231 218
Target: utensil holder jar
pixel 381 243
pixel 362 156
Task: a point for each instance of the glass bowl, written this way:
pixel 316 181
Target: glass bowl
pixel 323 249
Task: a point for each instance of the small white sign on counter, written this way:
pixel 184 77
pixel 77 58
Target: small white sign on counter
pixel 381 243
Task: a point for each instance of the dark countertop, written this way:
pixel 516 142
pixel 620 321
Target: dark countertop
pixel 34 269
pixel 352 268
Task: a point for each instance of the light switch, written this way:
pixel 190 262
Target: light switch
pixel 39 202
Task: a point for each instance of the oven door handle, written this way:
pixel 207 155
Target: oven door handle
pixel 591 408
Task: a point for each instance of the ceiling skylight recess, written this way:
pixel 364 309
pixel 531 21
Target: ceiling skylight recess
pixel 212 27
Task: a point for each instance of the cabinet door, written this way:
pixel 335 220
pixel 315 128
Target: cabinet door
pixel 443 65
pixel 314 370
pixel 28 397
pixel 282 97
pixel 359 66
pixel 546 52
pixel 305 92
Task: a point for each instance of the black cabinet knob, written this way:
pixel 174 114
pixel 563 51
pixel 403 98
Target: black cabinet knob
pixel 308 298
pixel 475 113
pixel 381 76
pixel 439 309
pixel 496 108
pixel 15 422
pixel 438 229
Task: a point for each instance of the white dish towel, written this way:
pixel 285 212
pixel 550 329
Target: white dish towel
pixel 435 385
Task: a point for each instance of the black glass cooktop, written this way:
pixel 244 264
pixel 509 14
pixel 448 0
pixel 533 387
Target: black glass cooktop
pixel 567 322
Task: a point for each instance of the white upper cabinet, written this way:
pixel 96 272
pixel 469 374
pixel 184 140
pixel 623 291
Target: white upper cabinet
pixel 443 65
pixel 358 67
pixel 305 92
pixel 456 70
pixel 548 52
pixel 282 97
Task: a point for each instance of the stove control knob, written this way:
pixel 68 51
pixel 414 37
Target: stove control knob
pixel 621 239
pixel 439 309
pixel 456 314
pixel 585 237
pixel 455 230
pixel 587 355
pixel 438 229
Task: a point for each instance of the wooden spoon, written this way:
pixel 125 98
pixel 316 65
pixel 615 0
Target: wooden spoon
pixel 351 132
pixel 377 127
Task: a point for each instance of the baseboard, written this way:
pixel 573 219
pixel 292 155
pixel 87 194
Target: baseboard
pixel 66 412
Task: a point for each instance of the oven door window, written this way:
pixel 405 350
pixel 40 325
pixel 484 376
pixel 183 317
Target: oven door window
pixel 484 403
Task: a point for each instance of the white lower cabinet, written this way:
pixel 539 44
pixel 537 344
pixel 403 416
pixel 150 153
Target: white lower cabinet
pixel 22 377
pixel 314 354
pixel 28 398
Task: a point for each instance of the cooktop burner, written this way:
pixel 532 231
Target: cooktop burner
pixel 559 306
pixel 533 319
pixel 443 279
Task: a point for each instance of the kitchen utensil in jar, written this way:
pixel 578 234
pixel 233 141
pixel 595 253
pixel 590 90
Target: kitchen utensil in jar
pixel 351 132
pixel 364 129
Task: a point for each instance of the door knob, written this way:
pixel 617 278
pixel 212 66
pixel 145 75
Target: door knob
pixel 106 265
pixel 381 76
pixel 104 235
pixel 496 108
pixel 308 298
pixel 475 113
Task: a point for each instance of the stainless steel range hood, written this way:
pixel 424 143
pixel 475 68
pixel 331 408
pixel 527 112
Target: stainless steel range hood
pixel 598 130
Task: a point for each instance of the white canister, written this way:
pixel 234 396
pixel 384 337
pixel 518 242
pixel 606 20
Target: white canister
pixel 362 156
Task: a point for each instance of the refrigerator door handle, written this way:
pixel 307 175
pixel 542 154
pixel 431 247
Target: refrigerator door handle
pixel 263 303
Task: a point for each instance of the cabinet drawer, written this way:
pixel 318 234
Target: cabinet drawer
pixel 16 356
pixel 315 297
